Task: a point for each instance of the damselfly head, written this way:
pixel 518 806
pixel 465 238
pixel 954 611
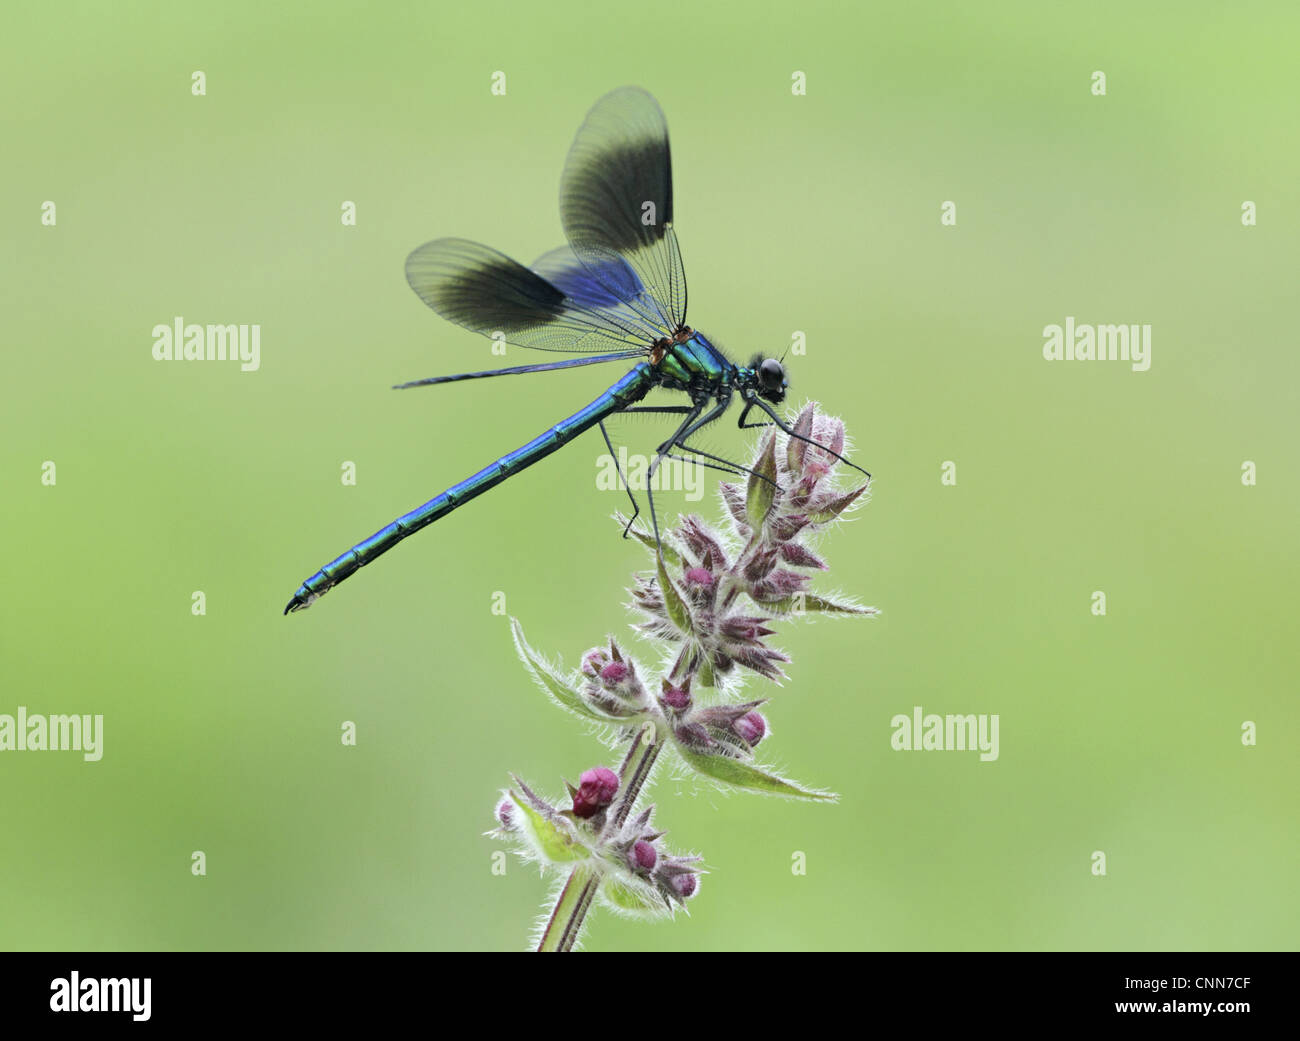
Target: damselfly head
pixel 771 380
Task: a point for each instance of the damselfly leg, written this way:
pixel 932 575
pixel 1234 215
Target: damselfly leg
pixel 690 423
pixel 618 468
pixel 735 468
pixel 777 421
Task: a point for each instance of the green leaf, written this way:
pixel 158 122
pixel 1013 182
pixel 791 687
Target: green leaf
pixel 647 539
pixel 760 493
pixel 549 679
pixel 744 775
pixel 801 603
pixel 836 506
pixel 552 836
pixel 705 675
pixel 673 602
pixel 632 896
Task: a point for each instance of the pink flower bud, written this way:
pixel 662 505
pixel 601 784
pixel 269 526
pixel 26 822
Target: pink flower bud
pixel 643 856
pixel 593 661
pixel 698 576
pixel 676 698
pixel 686 884
pixel 750 727
pixel 615 672
pixel 596 789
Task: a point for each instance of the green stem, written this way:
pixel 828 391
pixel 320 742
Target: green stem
pixel 575 900
pixel 633 774
pixel 570 909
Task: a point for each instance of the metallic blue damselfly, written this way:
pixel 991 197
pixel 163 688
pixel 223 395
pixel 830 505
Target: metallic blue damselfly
pixel 616 292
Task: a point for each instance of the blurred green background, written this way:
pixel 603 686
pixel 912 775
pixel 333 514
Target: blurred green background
pixel 817 213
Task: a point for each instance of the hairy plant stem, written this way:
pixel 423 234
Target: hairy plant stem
pixel 570 912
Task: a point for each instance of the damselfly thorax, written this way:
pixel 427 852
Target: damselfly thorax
pixel 690 363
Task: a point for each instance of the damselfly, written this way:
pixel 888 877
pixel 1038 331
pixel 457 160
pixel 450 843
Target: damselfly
pixel 616 292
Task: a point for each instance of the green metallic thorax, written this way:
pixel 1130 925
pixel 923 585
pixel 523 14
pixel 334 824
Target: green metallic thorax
pixel 693 363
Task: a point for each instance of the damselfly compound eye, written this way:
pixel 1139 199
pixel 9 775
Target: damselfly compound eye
pixel 771 374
